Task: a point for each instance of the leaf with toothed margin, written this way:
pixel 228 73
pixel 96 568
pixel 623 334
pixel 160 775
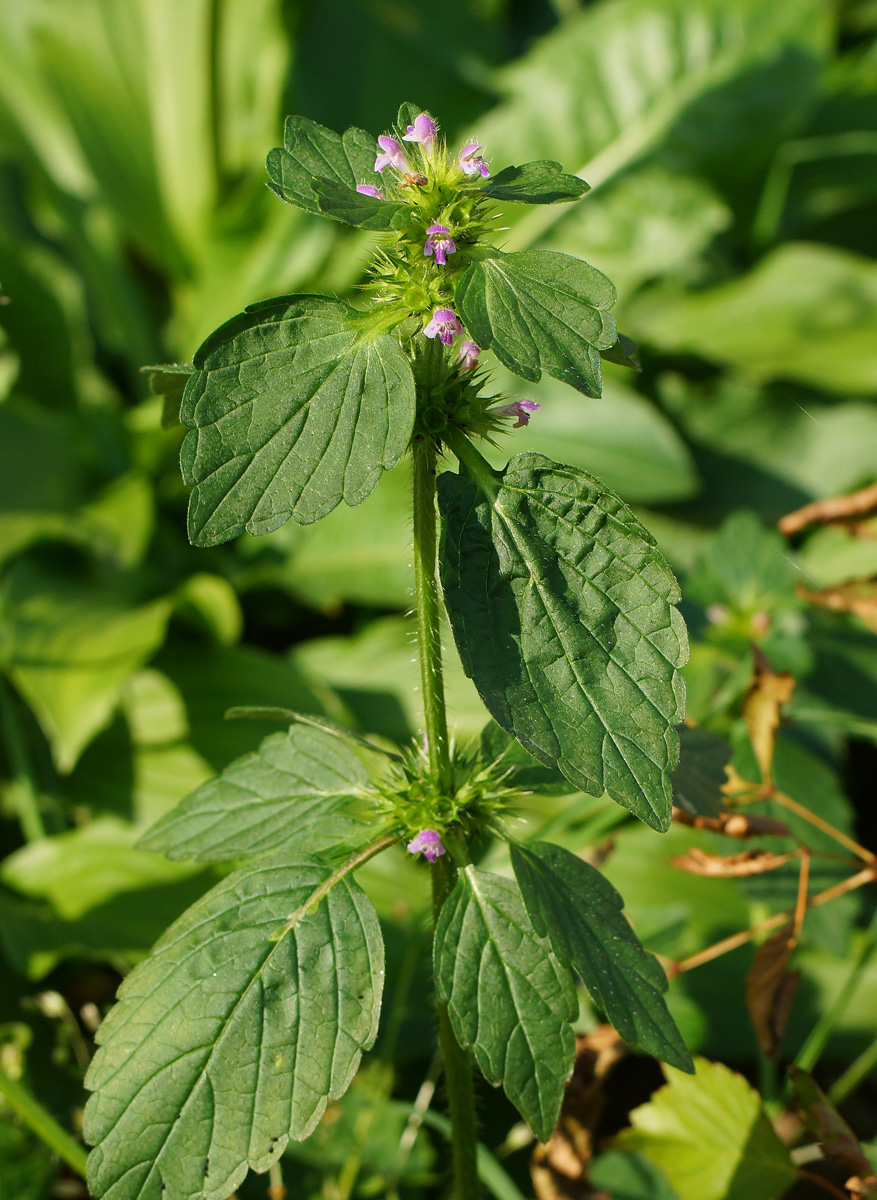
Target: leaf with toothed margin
pixel 294 793
pixel 564 615
pixel 507 995
pixel 368 212
pixel 580 912
pixel 542 182
pixel 540 311
pixel 311 152
pixel 294 405
pixel 249 1015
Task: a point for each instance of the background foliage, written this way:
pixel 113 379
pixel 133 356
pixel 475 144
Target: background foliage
pixel 731 148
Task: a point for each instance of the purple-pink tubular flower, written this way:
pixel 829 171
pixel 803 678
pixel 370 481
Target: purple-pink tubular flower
pixel 439 243
pixel 446 324
pixel 520 409
pixel 391 155
pixel 423 130
pixel 428 843
pixel 368 189
pixel 468 356
pixel 470 161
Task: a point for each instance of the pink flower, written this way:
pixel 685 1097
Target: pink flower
pixel 392 155
pixel 440 243
pixel 428 843
pixel 520 409
pixel 446 324
pixel 468 356
pixel 367 189
pixel 470 161
pixel 423 130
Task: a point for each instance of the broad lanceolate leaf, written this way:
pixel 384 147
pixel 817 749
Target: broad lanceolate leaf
pixel 541 311
pixel 249 1015
pixel 536 183
pixel 563 612
pixel 311 152
pixel 507 995
pixel 711 1137
pixel 580 912
pixel 290 794
pixel 294 405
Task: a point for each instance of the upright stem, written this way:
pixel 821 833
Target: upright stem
pixel 457 1067
pixel 428 615
pixel 457 1062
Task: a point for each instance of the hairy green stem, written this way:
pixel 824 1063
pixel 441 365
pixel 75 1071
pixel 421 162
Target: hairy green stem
pixel 855 1074
pixel 42 1123
pixel 26 796
pixel 457 1064
pixel 429 614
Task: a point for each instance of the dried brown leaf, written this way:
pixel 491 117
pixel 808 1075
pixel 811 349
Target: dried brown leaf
pixel 770 988
pixel 731 866
pixel 831 511
pixel 858 597
pixel 822 1119
pixel 560 1166
pixel 860 1187
pixel 761 710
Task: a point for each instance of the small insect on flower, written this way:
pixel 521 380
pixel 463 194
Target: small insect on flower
pixel 522 409
pixel 440 243
pixel 368 189
pixel 423 131
pixel 468 356
pixel 413 179
pixel 446 324
pixel 471 162
pixel 391 155
pixel 428 843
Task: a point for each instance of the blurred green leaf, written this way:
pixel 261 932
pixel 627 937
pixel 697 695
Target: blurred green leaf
pixel 698 780
pixel 629 1177
pixel 507 995
pixel 710 1136
pixel 330 411
pixel 805 312
pixel 744 566
pixel 292 794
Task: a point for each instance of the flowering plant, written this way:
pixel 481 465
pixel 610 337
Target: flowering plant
pixel 253 1010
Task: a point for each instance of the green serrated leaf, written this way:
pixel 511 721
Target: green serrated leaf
pixel 311 152
pixel 295 405
pixel 290 794
pixel 343 203
pixel 540 311
pixel 407 112
pixel 250 1014
pixel 541 182
pixel 507 995
pixel 564 615
pixel 580 912
pixel 697 781
pixel 711 1137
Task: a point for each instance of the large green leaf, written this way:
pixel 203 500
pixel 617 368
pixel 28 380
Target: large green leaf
pixel 289 794
pixel 294 405
pixel 318 167
pixel 507 995
pixel 710 1136
pixel 535 183
pixel 563 612
pixel 248 1017
pixel 540 311
pixel 806 312
pixel 580 912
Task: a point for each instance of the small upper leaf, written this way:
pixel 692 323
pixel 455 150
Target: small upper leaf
pixel 540 311
pixel 572 904
pixel 507 995
pixel 294 405
pixel 290 794
pixel 564 615
pixel 535 183
pixel 168 381
pixel 248 1017
pixel 623 353
pixel 311 152
pixel 368 212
